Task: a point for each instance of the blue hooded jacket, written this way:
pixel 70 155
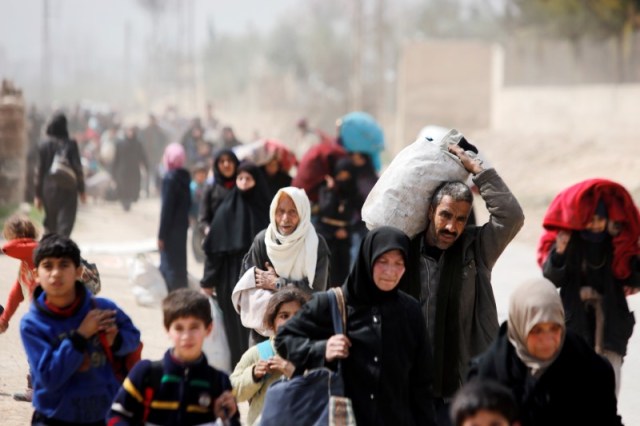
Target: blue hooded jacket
pixel 72 378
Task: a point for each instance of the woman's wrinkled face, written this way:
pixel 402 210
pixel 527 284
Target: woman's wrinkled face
pixel 287 218
pixel 226 166
pixel 543 341
pixel 245 181
pixel 388 270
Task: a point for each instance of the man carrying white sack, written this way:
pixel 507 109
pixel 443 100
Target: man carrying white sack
pixel 450 272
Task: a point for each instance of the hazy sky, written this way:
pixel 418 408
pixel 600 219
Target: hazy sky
pixel 99 24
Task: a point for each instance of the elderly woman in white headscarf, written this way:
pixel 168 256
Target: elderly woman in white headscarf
pixel 556 378
pixel 288 252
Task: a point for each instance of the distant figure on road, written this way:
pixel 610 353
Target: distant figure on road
pixel 154 140
pixel 129 158
pixel 590 251
pixel 174 218
pixel 59 178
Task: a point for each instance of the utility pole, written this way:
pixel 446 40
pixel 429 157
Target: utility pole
pixel 126 77
pixel 380 34
pixel 45 65
pixel 191 52
pixel 356 58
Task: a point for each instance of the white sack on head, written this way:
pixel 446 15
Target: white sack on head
pixel 401 196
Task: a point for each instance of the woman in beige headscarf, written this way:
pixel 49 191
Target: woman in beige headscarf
pixel 556 378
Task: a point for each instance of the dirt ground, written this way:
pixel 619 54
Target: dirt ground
pixel 535 167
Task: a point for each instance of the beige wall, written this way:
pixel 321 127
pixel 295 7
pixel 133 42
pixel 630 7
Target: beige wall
pixel 449 83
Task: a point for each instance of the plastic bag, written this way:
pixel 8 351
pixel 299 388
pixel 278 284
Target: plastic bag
pixel 149 287
pixel 402 195
pixel 216 346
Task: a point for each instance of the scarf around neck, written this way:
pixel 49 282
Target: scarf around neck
pixel 293 256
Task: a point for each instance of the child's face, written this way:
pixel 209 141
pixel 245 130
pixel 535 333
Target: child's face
pixel 286 311
pixel 187 335
pixel 57 276
pixel 199 177
pixel 486 418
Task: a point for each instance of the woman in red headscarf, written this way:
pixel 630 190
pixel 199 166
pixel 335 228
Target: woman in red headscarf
pixel 590 251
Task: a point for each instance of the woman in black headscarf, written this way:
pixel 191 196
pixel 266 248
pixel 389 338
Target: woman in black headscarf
pixel 243 213
pixel 337 204
pixel 225 170
pixel 385 353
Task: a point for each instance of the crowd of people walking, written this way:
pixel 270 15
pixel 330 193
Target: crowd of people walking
pixel 421 342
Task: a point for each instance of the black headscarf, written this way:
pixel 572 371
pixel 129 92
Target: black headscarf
pixel 360 288
pixel 219 177
pixel 58 127
pixel 349 187
pixel 241 215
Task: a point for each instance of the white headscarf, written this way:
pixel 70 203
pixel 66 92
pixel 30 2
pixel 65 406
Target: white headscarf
pixel 293 256
pixel 532 303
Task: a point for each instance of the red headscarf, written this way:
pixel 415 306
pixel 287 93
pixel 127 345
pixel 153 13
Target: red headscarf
pixel 286 158
pixel 574 207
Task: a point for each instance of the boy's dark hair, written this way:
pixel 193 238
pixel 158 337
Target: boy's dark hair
pixel 19 226
pixel 483 394
pixel 184 303
pixel 286 295
pixel 56 246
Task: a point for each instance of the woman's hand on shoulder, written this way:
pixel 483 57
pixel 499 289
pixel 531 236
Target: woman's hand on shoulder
pixel 337 347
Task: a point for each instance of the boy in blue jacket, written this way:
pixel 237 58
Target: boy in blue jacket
pixel 73 382
pixel 182 389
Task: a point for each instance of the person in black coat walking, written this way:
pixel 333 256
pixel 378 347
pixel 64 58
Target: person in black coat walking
pixel 556 378
pixel 243 212
pixel 385 354
pixel 128 159
pixel 174 218
pixel 59 178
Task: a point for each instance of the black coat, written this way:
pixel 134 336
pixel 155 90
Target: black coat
pixel 46 151
pixel 376 373
pixel 578 388
pixel 174 222
pixel 569 273
pixel 128 158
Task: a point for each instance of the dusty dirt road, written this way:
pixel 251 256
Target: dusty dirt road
pixel 109 236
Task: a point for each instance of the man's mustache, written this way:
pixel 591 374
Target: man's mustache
pixel 453 234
